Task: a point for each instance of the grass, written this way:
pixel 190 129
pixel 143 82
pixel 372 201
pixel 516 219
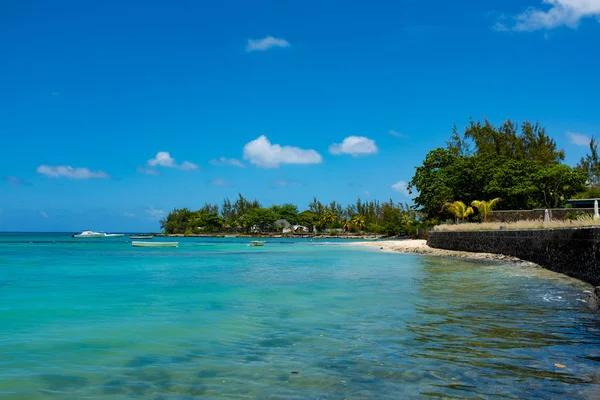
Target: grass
pixel 525 224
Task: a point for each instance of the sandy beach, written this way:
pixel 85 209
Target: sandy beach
pixel 418 246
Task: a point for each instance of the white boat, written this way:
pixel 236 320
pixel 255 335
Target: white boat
pixel 114 234
pixel 89 234
pixel 141 237
pixel 155 244
pixel 256 243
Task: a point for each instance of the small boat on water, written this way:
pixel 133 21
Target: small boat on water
pixel 155 244
pixel 89 234
pixel 141 237
pixel 256 243
pixel 371 239
pixel 92 234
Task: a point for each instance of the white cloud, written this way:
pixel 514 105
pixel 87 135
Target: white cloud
pixel 285 182
pixel 43 214
pixel 265 43
pixel 148 171
pixel 579 139
pixel 232 162
pixel 398 134
pixel 188 166
pixel 262 153
pixel 154 213
pixel 62 171
pixel 220 182
pixel 129 215
pixel 164 159
pixel 367 193
pixel 556 13
pixel 402 187
pixel 355 146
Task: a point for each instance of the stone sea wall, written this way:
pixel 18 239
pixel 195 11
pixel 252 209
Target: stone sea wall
pixel 571 251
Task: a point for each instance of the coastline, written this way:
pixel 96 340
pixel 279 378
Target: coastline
pixel 419 246
pixel 270 236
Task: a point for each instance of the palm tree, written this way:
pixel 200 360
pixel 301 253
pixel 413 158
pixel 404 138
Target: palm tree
pixel 346 224
pixel 328 218
pixel 485 207
pixel 459 209
pixel 359 221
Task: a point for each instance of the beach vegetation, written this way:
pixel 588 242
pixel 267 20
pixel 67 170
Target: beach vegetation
pixel 485 207
pixel 518 163
pixel 578 220
pixel 459 210
pixel 384 218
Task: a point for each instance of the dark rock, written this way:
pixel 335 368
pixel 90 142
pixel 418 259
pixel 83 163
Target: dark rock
pixel 571 251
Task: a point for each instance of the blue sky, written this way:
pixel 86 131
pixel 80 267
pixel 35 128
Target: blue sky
pixel 112 113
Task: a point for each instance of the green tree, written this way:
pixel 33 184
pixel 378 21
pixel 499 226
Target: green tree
pixel 345 223
pixel 261 218
pixel 308 219
pixel 287 211
pixel 434 182
pixel 459 209
pixel 590 164
pixel 327 219
pixel 485 207
pixel 358 221
pixel 558 183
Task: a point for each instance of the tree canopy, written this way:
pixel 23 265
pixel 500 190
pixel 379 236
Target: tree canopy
pixel 250 216
pixel 523 169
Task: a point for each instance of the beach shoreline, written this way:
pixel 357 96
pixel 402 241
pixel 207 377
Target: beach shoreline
pixel 419 246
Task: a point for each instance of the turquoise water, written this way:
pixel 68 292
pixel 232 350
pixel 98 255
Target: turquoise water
pixel 214 318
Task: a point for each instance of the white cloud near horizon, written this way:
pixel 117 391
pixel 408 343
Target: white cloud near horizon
pixel 263 154
pixel 398 134
pixel 355 146
pixel 148 171
pixel 556 13
pixel 578 139
pixel 402 187
pixel 232 162
pixel 266 43
pixel 164 159
pixel 220 182
pixel 66 171
pixel 154 213
pixel 285 182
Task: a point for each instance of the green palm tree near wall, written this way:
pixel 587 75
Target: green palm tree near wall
pixel 459 209
pixel 359 221
pixel 485 207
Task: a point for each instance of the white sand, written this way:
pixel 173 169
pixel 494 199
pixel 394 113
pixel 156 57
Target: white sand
pixel 420 247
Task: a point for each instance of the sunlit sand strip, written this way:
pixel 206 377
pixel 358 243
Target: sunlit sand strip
pixel 417 246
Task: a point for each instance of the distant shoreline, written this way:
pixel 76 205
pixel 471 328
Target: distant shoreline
pixel 280 236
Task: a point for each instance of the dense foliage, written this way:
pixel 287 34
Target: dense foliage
pixel 250 216
pixel 590 165
pixel 523 169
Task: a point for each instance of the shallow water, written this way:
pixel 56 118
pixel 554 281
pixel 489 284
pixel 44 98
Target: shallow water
pixel 214 318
